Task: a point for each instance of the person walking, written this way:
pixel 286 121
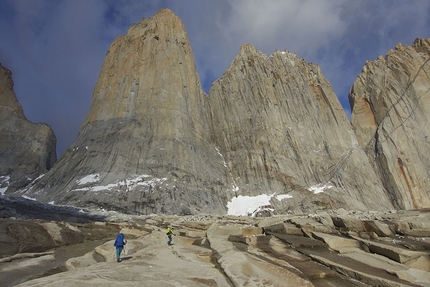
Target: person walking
pixel 169 234
pixel 119 244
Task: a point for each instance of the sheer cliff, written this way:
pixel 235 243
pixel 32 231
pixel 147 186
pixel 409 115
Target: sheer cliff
pixel 145 144
pixel 27 150
pixel 390 103
pixel 282 130
pixel 154 142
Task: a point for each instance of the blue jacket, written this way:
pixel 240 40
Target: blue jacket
pixel 119 242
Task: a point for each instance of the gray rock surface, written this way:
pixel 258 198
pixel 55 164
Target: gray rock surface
pixel 390 102
pixel 281 129
pixel 145 144
pixel 27 150
pixel 212 250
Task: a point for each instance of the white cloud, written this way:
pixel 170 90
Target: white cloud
pixel 299 26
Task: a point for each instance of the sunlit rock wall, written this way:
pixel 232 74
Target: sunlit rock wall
pixel 390 103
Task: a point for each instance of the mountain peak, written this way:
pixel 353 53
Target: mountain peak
pixel 271 130
pixel 27 150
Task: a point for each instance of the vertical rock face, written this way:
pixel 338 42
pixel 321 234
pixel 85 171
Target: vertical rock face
pixel 145 144
pixel 153 142
pixel 390 103
pixel 282 130
pixel 27 150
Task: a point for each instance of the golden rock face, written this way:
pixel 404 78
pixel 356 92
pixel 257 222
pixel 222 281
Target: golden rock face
pixel 145 143
pixel 149 72
pixel 390 101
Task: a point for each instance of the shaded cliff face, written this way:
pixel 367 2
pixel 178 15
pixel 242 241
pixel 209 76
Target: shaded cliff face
pixel 390 101
pixel 145 144
pixel 282 130
pixel 27 150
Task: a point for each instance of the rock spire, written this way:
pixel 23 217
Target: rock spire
pixel 390 103
pixel 153 142
pixel 283 131
pixel 145 144
pixel 27 150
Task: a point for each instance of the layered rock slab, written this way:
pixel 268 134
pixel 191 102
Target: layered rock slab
pixel 232 251
pixel 390 100
pixel 145 144
pixel 281 130
pixel 27 150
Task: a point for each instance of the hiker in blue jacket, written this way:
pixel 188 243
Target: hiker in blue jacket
pixel 119 244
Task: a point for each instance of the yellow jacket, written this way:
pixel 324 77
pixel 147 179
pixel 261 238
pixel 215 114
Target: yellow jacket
pixel 169 231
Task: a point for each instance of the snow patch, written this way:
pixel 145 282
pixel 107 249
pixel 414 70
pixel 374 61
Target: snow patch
pixel 129 183
pixel 37 178
pixel 244 205
pixel 89 179
pixel 222 157
pixel 250 205
pixel 319 188
pixel 139 181
pixel 354 140
pixel 283 196
pixel 4 180
pixel 291 57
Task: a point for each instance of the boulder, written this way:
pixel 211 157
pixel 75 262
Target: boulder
pixel 380 228
pixel 348 223
pixel 336 242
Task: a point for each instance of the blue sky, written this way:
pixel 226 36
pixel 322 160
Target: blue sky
pixel 55 48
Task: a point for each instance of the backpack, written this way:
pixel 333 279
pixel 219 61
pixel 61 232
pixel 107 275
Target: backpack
pixel 119 241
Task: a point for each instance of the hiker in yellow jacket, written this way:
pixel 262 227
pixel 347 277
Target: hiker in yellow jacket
pixel 169 234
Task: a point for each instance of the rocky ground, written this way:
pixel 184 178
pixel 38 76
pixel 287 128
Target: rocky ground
pixel 61 246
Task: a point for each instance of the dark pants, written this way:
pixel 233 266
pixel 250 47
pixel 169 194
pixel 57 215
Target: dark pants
pixel 118 251
pixel 170 239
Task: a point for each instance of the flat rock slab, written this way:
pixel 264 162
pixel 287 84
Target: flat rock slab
pixel 229 252
pixel 154 265
pixel 416 259
pixel 336 242
pixel 299 241
pixel 400 270
pixel 355 269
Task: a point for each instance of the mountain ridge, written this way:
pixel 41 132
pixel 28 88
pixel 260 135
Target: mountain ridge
pixel 154 142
